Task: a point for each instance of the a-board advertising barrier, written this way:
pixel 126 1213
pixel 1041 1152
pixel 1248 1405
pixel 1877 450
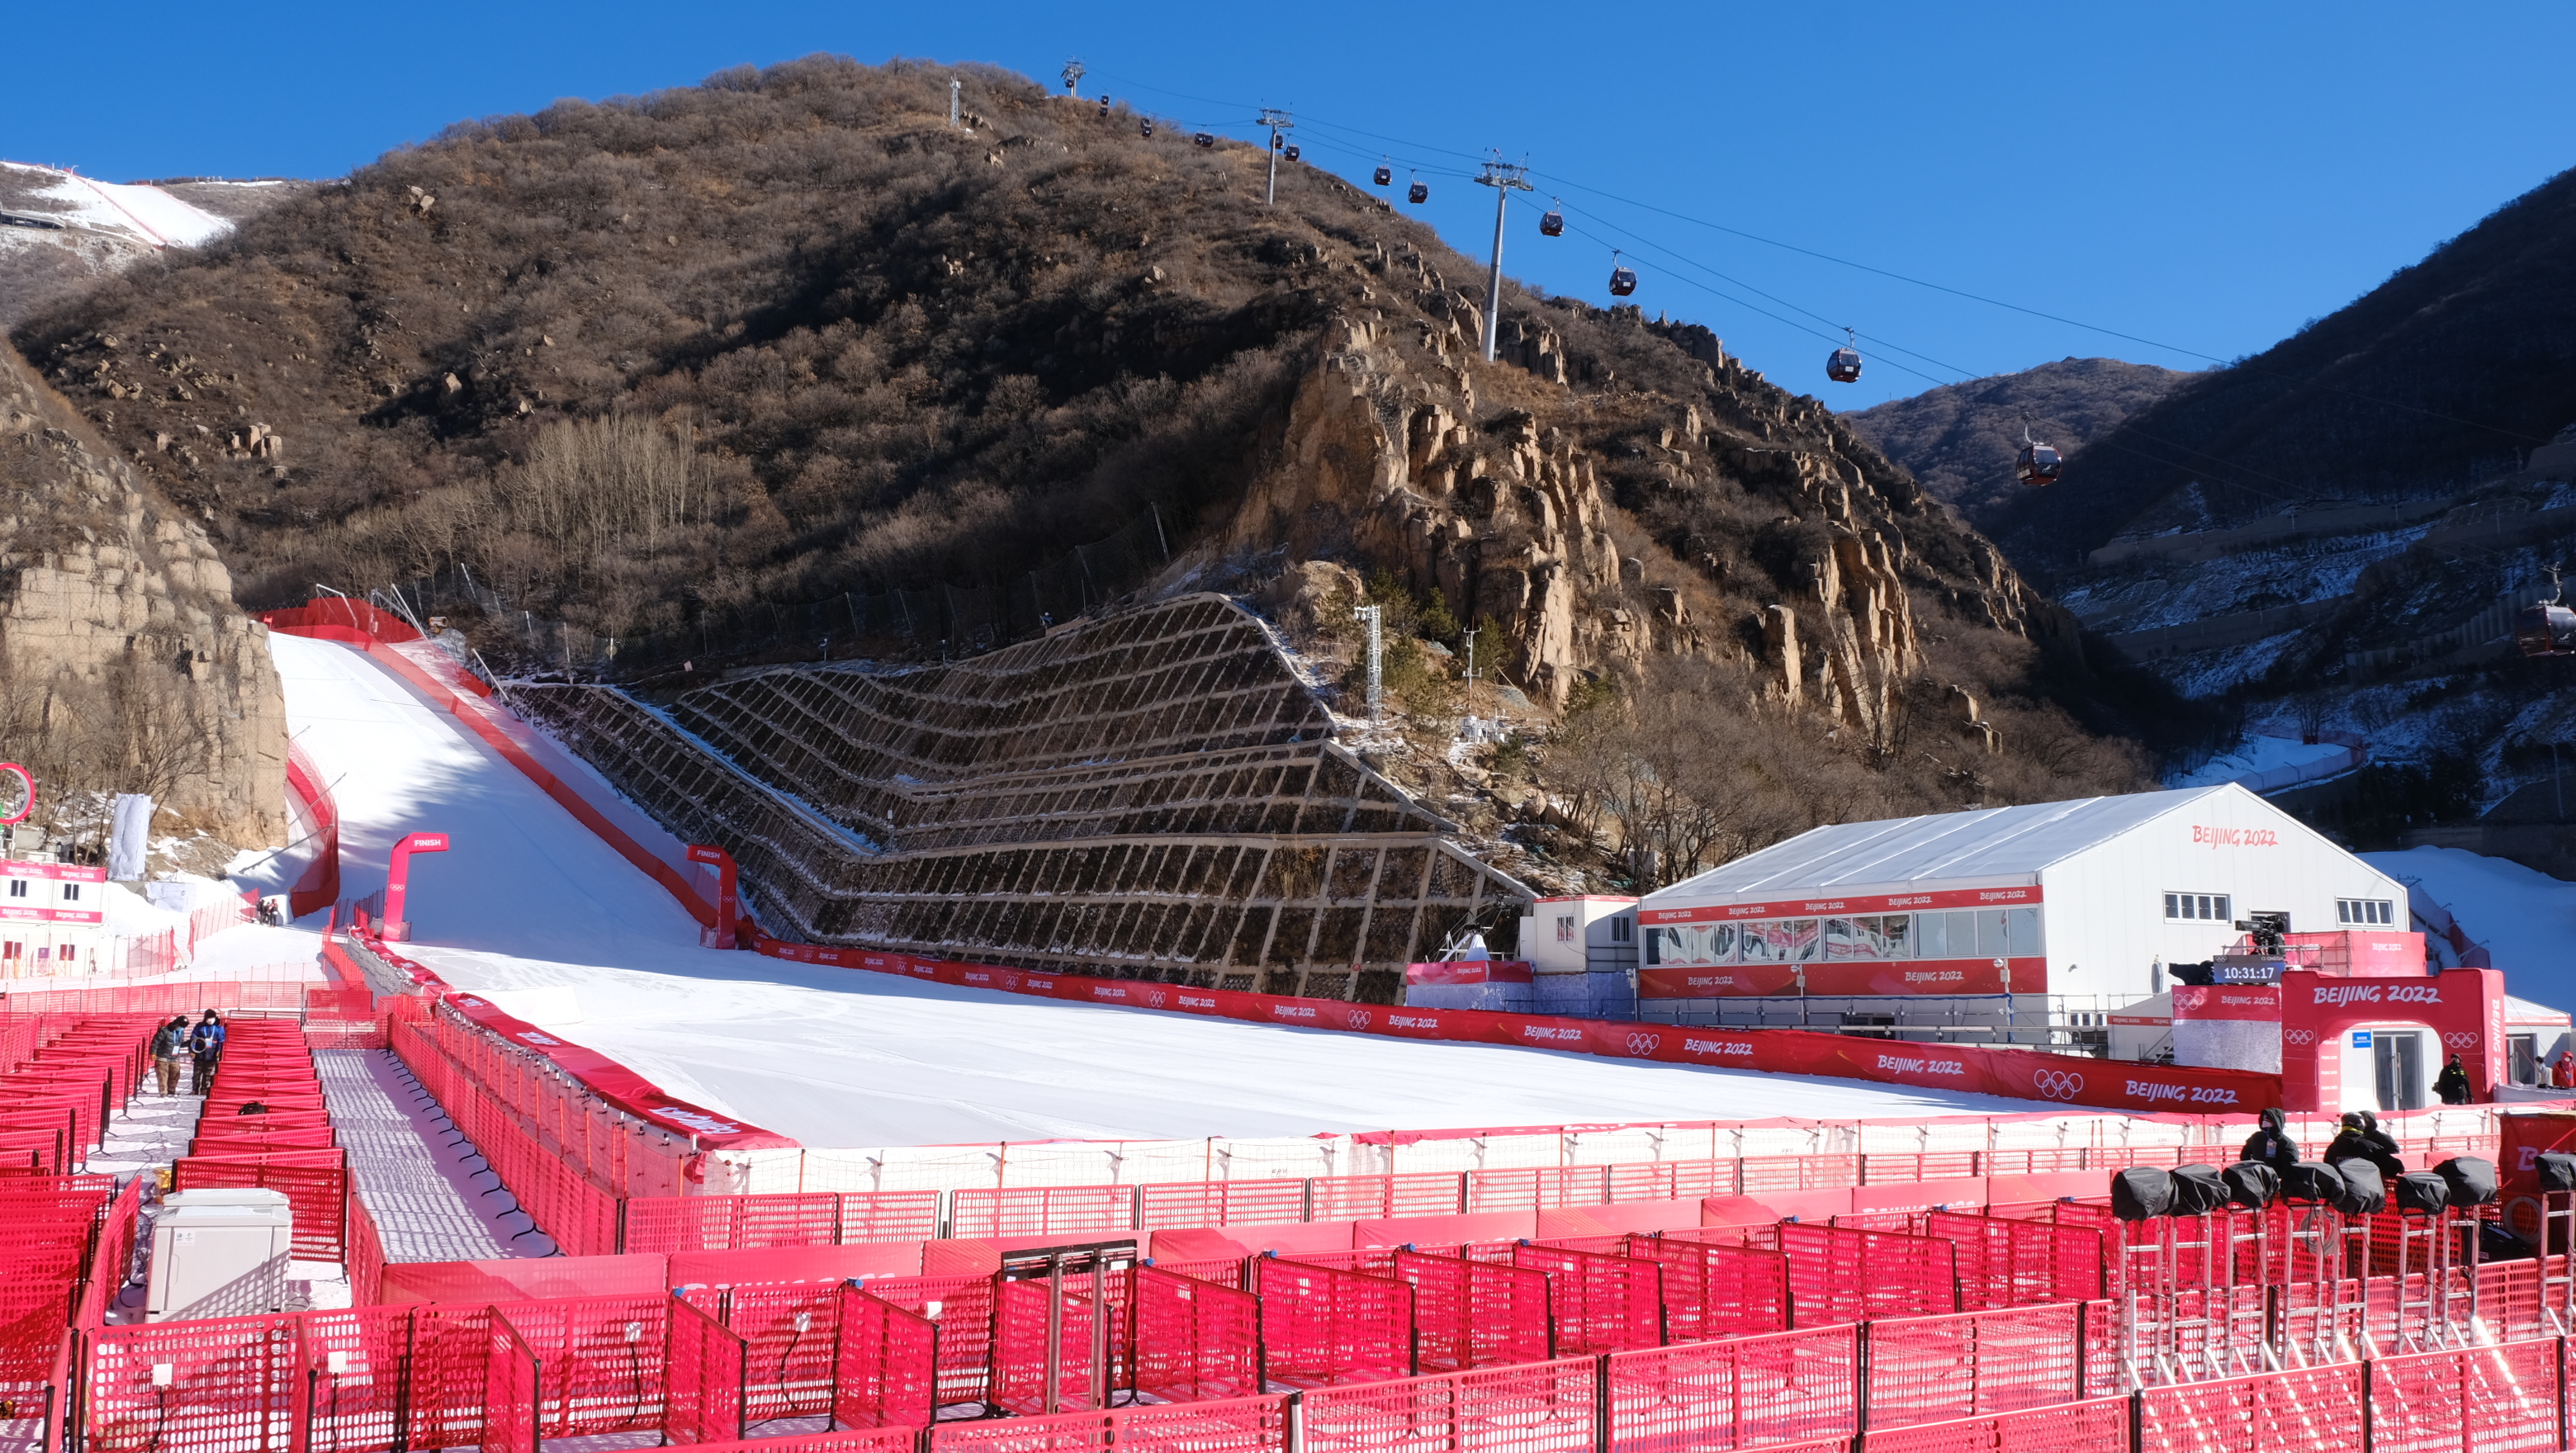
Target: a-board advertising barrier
pixel 2019 1074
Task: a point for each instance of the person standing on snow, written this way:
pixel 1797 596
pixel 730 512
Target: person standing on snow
pixel 2562 1075
pixel 2271 1144
pixel 2452 1084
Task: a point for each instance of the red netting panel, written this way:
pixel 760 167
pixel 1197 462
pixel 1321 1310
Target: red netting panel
pixel 1839 1275
pixel 1194 1341
pixel 1537 1188
pixel 731 1223
pixel 513 1391
pixel 600 1361
pixel 1911 1167
pixel 447 1375
pixel 235 1385
pixel 964 1316
pixel 1970 1364
pixel 2099 1426
pixel 2303 1410
pixel 889 1216
pixel 789 1334
pixel 1320 1327
pixel 1718 1291
pixel 2007 1263
pixel 365 1263
pixel 2477 1400
pixel 884 1370
pixel 2510 1297
pixel 1022 1329
pixel 317 1197
pixel 854 1440
pixel 1367 1261
pixel 1598 1303
pixel 1222 1203
pixel 44 1245
pixel 1042 1211
pixel 1413 1193
pixel 1226 1273
pixel 1469 1314
pixel 1782 1173
pixel 1545 1407
pixel 1239 1425
pixel 1085 1432
pixel 359 1361
pixel 1792 1387
pixel 707 1367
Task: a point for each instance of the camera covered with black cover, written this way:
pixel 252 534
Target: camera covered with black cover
pixel 2472 1179
pixel 2365 1191
pixel 2198 1190
pixel 2422 1193
pixel 2142 1193
pixel 2252 1184
pixel 2312 1181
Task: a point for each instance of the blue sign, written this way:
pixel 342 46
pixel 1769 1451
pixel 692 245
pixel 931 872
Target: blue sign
pixel 2361 1039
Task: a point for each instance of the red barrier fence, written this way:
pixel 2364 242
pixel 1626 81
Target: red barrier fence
pixel 1792 1387
pixel 2008 1263
pixel 1321 1327
pixel 319 885
pixel 1598 1303
pixel 1718 1291
pixel 1194 1342
pixel 1546 1407
pixel 962 1307
pixel 563 1202
pixel 2302 1410
pixel 708 1367
pixel 1840 1275
pixel 885 1368
pixel 2099 1426
pixel 1470 1314
pixel 1973 1364
pixel 1250 1425
pixel 602 1362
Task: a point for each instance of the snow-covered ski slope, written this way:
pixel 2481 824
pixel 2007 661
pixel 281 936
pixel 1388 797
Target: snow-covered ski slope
pixel 527 898
pixel 144 214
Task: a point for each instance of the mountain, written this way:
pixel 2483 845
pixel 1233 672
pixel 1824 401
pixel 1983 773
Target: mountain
pixel 1959 440
pixel 60 231
pixel 2450 371
pixel 786 365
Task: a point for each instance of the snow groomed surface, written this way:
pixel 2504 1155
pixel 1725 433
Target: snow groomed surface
pixel 528 898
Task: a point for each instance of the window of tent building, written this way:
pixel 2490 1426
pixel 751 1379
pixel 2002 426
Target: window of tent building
pixel 2365 911
pixel 1565 928
pixel 1967 933
pixel 17 887
pixel 2198 908
pixel 1623 929
pixel 71 892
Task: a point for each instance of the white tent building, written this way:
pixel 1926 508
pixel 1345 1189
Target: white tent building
pixel 2032 924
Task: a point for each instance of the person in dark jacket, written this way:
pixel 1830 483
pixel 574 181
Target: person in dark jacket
pixel 206 1042
pixel 2452 1084
pixel 2381 1140
pixel 169 1048
pixel 2353 1142
pixel 2271 1143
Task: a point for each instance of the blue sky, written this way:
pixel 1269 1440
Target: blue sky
pixel 2205 176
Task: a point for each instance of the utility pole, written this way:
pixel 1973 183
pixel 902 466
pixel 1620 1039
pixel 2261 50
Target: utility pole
pixel 1471 674
pixel 1277 121
pixel 1376 662
pixel 1505 179
pixel 954 87
pixel 1073 74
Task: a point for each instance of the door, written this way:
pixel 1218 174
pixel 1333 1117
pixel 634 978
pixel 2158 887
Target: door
pixel 2526 1057
pixel 2398 1056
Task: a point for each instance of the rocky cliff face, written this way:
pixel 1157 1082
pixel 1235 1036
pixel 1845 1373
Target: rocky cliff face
pixel 1599 524
pixel 124 664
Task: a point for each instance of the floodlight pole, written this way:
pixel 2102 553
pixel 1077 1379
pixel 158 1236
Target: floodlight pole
pixel 1374 614
pixel 1277 121
pixel 1505 179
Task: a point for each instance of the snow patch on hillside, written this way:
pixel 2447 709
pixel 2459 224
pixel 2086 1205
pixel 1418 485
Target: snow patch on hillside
pixel 2524 918
pixel 144 214
pixel 2259 754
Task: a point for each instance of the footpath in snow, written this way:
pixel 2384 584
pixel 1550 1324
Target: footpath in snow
pixel 527 898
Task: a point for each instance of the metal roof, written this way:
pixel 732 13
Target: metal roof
pixel 1997 843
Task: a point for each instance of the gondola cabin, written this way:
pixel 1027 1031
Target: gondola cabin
pixel 2546 629
pixel 1418 193
pixel 1551 224
pixel 1844 365
pixel 2038 464
pixel 1291 153
pixel 1384 176
pixel 1623 281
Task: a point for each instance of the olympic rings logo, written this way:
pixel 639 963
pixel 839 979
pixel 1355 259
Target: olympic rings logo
pixel 1643 1044
pixel 2462 1039
pixel 2057 1085
pixel 1359 1018
pixel 1154 999
pixel 2300 1036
